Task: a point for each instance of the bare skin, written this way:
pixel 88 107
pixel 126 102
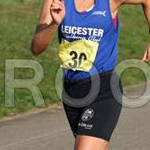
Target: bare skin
pixel 90 143
pixel 52 13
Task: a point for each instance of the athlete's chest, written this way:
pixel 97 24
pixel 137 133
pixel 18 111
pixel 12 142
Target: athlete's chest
pixel 92 25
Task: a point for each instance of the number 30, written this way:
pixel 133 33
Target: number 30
pixel 77 60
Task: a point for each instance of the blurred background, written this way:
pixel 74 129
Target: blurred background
pixel 18 20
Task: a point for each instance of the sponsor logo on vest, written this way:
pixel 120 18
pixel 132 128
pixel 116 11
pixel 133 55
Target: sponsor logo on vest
pixel 102 13
pixel 72 32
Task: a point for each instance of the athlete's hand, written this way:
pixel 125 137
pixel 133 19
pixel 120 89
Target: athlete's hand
pixel 146 57
pixel 57 11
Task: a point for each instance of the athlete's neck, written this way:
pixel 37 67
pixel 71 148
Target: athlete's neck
pixel 84 5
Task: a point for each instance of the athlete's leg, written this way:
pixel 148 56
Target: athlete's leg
pixel 107 148
pixel 74 89
pixel 73 116
pixel 84 142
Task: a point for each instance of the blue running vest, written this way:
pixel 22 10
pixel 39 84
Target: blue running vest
pixel 97 25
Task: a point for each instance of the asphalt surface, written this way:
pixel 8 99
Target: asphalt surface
pixel 49 130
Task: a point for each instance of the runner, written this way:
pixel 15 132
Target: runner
pixel 88 33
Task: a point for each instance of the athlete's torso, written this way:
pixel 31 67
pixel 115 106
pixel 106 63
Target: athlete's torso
pixel 95 25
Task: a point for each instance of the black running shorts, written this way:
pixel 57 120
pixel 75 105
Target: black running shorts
pixel 99 118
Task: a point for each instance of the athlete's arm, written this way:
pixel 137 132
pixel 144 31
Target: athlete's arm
pixel 115 4
pixel 52 13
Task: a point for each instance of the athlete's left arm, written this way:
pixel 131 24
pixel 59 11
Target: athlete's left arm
pixel 146 8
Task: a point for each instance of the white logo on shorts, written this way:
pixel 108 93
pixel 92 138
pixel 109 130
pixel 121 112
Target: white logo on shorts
pixel 88 114
pixel 86 126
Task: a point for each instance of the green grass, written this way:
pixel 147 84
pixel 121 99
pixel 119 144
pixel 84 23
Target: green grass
pixel 17 25
pixel 133 40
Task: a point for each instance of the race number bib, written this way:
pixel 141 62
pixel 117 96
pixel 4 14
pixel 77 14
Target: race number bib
pixel 78 55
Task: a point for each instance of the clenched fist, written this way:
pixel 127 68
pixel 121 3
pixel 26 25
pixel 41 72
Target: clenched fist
pixel 57 11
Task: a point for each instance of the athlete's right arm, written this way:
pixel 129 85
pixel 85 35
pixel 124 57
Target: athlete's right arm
pixel 52 14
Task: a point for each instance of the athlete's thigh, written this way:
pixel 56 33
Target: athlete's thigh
pixel 100 119
pixel 73 115
pixel 84 142
pixel 97 124
pixel 76 90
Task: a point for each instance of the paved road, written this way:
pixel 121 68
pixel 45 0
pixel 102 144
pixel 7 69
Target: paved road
pixel 49 130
